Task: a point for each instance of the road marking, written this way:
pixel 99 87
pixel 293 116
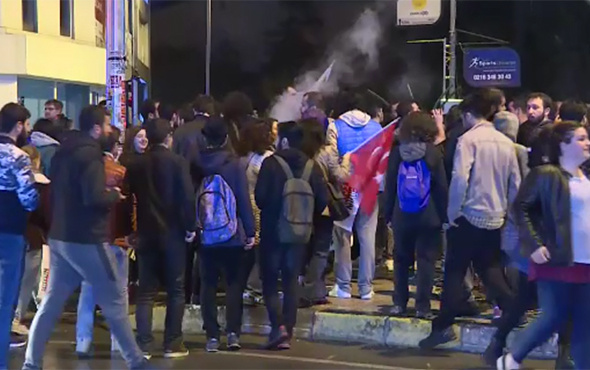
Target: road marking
pixel 361 365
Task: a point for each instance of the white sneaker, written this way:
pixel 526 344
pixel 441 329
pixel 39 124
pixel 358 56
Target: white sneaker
pixel 368 296
pixel 83 347
pixel 19 328
pixel 389 265
pixel 336 292
pixel 507 362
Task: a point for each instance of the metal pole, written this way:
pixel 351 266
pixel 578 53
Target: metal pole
pixel 453 62
pixel 208 51
pixel 444 65
pixel 115 48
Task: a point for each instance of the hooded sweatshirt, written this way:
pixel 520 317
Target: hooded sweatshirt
pixel 351 130
pixel 434 214
pixel 80 200
pixel 47 146
pixel 269 191
pixel 233 170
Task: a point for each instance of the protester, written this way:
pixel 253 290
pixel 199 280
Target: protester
pixel 552 210
pixel 255 141
pixel 314 290
pixel 161 182
pixel 572 110
pixel 36 236
pixel 237 111
pixel 538 109
pixel 119 227
pixel 80 206
pixel 227 230
pixel 416 203
pixel 485 181
pixel 45 137
pixel 17 196
pixel 149 110
pixel 135 145
pixel 346 134
pixel 290 187
pixel 518 106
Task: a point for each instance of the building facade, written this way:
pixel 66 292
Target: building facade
pixel 54 49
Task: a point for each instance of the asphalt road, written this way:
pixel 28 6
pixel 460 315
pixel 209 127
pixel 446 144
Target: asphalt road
pixel 303 355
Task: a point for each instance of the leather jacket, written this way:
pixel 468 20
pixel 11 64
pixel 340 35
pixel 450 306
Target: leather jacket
pixel 543 214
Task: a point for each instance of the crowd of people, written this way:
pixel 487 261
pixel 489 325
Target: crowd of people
pixel 212 191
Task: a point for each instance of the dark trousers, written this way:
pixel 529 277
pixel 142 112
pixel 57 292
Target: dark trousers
pixel 192 286
pixel 314 284
pixel 426 245
pixel 526 295
pixel 383 250
pixel 280 261
pixel 161 259
pixel 559 302
pixel 467 244
pixel 215 262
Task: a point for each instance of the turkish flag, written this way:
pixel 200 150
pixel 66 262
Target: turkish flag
pixel 369 163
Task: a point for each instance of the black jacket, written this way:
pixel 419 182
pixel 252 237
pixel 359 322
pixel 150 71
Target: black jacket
pixel 188 141
pixel 80 201
pixel 233 171
pixel 269 190
pixel 435 213
pixel 450 148
pixel 542 212
pixel 161 183
pixel 540 139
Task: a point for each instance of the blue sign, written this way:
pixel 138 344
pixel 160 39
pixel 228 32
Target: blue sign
pixel 491 67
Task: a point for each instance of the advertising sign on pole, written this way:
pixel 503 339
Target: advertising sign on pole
pixel 418 12
pixel 491 67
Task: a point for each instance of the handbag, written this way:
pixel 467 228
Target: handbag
pixel 337 202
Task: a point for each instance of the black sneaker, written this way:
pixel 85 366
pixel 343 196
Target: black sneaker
pixel 276 338
pixel 177 351
pixel 436 338
pixel 233 342
pixel 17 340
pixel 424 314
pixel 212 345
pixel 494 351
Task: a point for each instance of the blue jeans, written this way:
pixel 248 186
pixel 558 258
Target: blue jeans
pixel 71 264
pixel 86 302
pixel 12 251
pixel 366 227
pixel 559 302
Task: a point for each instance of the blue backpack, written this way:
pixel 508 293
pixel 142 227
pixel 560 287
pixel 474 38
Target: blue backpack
pixel 216 211
pixel 413 186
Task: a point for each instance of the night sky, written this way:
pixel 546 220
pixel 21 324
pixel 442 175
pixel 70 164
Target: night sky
pixel 259 47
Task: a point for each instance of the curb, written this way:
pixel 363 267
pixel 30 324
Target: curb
pixel 357 328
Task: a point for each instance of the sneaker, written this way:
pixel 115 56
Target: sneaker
pixel 397 310
pixel 286 345
pixel 147 355
pixel 19 328
pixel 17 340
pixel 493 352
pixel 176 352
pixel 436 338
pixel 233 342
pixel 277 338
pixel 212 345
pixel 84 348
pixel 336 292
pixel 497 312
pixel 368 296
pixel 424 314
pixel 507 362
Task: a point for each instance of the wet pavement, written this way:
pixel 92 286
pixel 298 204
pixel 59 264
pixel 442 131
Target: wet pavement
pixel 304 355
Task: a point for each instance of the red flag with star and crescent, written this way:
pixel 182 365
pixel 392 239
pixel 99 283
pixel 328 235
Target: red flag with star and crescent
pixel 369 164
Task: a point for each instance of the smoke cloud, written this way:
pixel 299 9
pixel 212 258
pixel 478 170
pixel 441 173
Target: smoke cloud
pixel 354 52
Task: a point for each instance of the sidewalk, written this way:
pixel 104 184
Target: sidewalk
pixel 356 321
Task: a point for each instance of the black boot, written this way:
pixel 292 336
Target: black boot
pixel 564 359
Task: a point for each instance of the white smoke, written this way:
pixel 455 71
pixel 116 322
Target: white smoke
pixel 361 40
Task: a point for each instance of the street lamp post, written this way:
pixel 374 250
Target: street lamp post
pixel 208 51
pixel 115 51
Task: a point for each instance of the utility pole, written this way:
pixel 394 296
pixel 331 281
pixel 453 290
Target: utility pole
pixel 115 50
pixel 208 51
pixel 452 93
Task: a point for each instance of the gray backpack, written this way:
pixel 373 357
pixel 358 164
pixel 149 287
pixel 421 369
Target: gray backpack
pixel 296 218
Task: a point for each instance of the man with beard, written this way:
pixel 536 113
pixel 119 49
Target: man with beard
pixel 538 109
pixel 17 197
pixel 78 240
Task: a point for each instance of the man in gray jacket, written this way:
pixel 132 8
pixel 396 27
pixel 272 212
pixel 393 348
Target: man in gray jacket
pixel 486 178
